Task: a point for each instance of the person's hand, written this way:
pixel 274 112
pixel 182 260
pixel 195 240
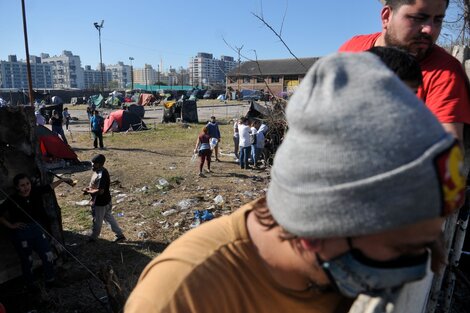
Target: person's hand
pixel 195 151
pixel 218 139
pixel 18 226
pixel 85 191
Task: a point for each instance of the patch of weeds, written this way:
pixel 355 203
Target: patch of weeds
pixel 176 180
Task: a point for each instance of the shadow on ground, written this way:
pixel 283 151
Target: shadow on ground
pixel 79 287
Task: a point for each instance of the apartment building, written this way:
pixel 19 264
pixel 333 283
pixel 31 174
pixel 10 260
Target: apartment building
pixel 121 74
pixel 205 70
pixel 145 76
pixel 67 72
pixel 92 78
pixel 14 73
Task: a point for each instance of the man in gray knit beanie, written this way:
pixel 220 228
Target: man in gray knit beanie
pixel 359 191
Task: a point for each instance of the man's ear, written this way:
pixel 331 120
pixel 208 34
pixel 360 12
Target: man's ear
pixel 312 245
pixel 386 16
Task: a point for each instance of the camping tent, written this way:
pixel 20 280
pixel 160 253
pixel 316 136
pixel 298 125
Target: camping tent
pixel 52 147
pixel 122 120
pixel 136 109
pixel 146 99
pixel 97 100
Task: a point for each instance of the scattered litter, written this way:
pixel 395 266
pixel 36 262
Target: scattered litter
pixel 163 182
pixel 166 226
pixel 120 214
pixel 169 212
pixel 177 224
pixel 193 158
pixel 142 235
pixel 248 194
pixel 115 191
pixel 219 200
pixel 212 207
pixel 157 203
pixel 172 168
pixel 121 195
pixel 61 194
pixel 206 216
pixel 197 219
pixel 83 203
pixel 185 204
pixel 120 200
pixel 144 189
pixel 141 223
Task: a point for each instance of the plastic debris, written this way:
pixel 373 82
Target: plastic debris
pixel 172 168
pixel 169 212
pixel 144 189
pixel 185 204
pixel 121 195
pixel 120 214
pixel 157 203
pixel 142 235
pixel 197 219
pixel 206 216
pixel 219 200
pixel 193 158
pixel 120 200
pixel 163 182
pixel 83 203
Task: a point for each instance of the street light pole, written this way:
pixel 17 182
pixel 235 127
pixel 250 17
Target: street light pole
pixel 28 65
pixel 132 73
pixel 99 27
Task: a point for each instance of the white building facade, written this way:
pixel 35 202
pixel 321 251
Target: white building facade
pixel 14 73
pixel 205 70
pixel 67 72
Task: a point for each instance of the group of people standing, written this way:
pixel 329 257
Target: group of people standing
pixel 248 138
pixel 249 141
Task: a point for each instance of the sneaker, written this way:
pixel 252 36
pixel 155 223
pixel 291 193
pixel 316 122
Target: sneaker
pixel 208 171
pixel 201 174
pixel 120 238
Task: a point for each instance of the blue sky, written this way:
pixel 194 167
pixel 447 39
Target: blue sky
pixel 152 31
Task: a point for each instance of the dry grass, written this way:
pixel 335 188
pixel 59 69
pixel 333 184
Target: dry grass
pixel 136 161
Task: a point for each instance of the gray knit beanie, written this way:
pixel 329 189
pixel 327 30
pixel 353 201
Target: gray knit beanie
pixel 361 155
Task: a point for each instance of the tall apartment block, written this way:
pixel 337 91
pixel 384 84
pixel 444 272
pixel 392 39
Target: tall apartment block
pixel 67 72
pixel 14 73
pixel 205 70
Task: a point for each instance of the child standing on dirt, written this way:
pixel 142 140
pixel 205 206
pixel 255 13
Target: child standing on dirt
pixel 203 149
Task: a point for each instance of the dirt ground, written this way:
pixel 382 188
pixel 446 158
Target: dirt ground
pixel 151 172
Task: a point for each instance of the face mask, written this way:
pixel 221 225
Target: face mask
pixel 353 273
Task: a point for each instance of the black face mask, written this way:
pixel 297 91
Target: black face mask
pixel 354 273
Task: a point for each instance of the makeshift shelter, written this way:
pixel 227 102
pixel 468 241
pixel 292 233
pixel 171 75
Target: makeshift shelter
pixel 52 147
pixel 146 99
pixel 122 120
pixel 136 109
pixel 185 110
pixel 97 100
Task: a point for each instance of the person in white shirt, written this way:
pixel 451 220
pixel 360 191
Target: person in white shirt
pixel 244 144
pixel 40 120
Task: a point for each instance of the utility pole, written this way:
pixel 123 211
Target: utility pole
pixel 132 73
pixel 239 62
pixel 99 27
pixel 28 64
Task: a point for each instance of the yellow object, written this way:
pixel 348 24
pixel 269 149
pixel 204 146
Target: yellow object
pixel 169 104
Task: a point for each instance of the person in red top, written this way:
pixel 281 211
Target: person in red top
pixel 415 26
pixel 203 149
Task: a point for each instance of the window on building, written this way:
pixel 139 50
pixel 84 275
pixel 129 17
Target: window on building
pixel 259 79
pixel 246 79
pixel 291 77
pixel 274 79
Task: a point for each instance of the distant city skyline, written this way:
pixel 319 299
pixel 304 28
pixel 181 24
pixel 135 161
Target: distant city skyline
pixel 155 32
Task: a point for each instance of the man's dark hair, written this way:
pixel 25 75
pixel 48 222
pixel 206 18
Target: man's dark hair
pixel 17 178
pixel 395 4
pixel 405 66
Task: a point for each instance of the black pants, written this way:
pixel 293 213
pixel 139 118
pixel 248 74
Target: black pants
pixel 97 136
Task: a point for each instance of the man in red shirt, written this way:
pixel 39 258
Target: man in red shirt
pixel 415 26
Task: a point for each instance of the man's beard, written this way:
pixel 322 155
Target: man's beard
pixel 418 53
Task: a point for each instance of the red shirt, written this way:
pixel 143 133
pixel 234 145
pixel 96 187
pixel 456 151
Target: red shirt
pixel 445 88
